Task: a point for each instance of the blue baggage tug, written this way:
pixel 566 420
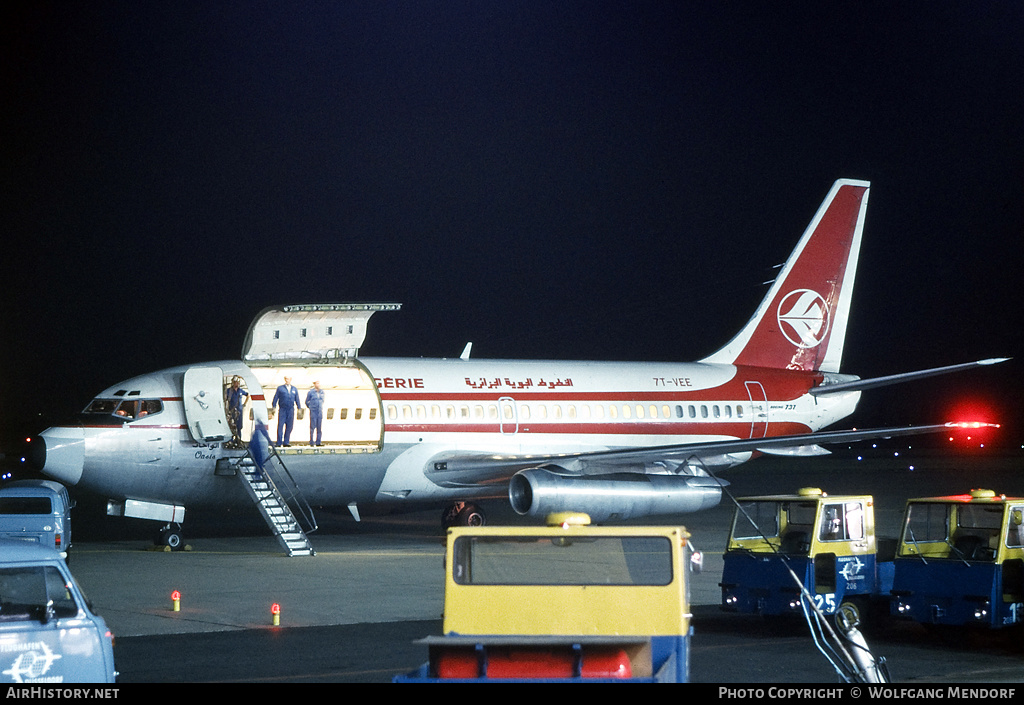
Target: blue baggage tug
pixel 960 561
pixel 827 543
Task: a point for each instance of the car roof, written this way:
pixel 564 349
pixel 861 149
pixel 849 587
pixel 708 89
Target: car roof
pixel 14 551
pixel 26 487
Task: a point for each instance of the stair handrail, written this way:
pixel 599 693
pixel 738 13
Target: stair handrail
pixel 295 499
pixel 300 502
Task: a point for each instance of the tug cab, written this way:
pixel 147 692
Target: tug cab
pixel 567 602
pixel 960 560
pixel 825 542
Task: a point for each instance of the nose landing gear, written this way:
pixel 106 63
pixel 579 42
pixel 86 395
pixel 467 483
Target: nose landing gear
pixel 170 537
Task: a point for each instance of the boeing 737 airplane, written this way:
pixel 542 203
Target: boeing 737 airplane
pixel 617 440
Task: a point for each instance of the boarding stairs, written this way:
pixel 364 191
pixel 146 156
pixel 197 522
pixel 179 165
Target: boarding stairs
pixel 278 498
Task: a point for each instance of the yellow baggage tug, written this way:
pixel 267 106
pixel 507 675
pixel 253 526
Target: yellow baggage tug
pixel 565 602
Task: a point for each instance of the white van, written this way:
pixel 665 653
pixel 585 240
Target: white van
pixel 48 631
pixel 36 511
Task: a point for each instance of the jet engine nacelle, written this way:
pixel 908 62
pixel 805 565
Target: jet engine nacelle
pixel 543 490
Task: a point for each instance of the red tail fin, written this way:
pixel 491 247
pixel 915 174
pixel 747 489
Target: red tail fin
pixel 801 323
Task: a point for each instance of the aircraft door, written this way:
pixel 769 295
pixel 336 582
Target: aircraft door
pixel 203 396
pixel 508 419
pixel 759 409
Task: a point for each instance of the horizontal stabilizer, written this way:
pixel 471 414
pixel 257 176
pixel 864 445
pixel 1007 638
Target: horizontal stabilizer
pixel 861 384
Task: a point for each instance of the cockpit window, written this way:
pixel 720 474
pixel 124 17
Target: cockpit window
pixel 128 410
pixel 102 406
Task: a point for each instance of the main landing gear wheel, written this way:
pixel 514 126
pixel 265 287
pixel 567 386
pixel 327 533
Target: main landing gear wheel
pixel 463 514
pixel 171 537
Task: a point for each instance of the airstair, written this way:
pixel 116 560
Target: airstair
pixel 275 494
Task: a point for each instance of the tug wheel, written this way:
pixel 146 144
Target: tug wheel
pixel 850 615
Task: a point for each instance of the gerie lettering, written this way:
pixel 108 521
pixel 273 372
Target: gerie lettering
pixel 399 382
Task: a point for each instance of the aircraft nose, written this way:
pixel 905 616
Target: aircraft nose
pixel 59 453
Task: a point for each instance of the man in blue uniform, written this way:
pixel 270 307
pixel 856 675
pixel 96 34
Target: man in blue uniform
pixel 315 404
pixel 236 398
pixel 287 400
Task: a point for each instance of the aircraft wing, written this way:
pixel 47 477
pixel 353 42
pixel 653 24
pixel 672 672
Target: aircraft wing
pixel 476 470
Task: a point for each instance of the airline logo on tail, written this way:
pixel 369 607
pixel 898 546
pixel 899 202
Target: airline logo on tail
pixel 801 323
pixel 803 318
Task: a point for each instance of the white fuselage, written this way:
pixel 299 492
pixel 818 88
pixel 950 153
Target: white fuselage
pixel 383 438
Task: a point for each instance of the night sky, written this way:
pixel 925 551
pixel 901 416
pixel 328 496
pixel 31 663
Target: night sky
pixel 592 180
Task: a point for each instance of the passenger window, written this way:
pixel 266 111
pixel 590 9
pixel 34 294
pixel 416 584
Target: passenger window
pixel 693 411
pixel 703 411
pixel 373 413
pixel 330 413
pixel 359 414
pixel 392 412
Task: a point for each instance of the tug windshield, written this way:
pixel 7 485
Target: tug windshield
pixel 561 560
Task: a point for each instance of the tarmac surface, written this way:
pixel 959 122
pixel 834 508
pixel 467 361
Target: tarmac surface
pixel 353 612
